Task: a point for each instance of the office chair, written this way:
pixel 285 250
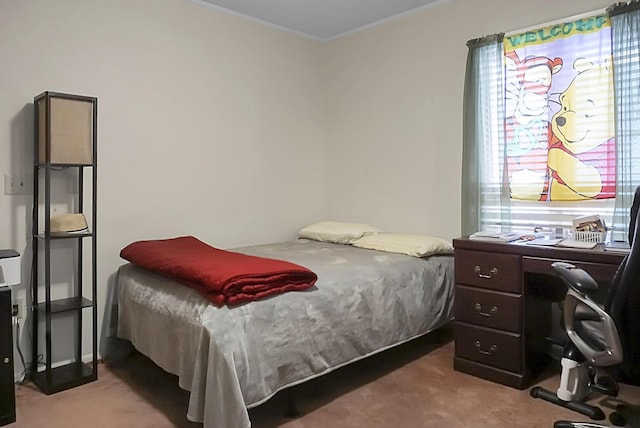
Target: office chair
pixel 598 336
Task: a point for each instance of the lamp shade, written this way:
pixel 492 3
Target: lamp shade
pixel 65 126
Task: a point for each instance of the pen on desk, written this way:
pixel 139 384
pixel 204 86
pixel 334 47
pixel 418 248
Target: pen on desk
pixel 528 237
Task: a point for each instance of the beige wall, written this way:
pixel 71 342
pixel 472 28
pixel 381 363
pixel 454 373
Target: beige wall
pixel 209 124
pixel 238 133
pixel 395 110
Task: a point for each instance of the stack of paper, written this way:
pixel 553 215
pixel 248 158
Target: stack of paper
pixel 618 246
pixel 546 241
pixel 559 242
pixel 487 235
pixel 577 244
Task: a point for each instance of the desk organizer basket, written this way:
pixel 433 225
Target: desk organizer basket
pixel 589 236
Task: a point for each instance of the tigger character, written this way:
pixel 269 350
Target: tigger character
pixel 527 127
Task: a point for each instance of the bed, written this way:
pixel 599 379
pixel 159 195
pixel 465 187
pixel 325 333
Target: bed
pixel 232 358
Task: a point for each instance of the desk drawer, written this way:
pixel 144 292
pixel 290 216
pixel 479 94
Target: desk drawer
pixel 488 308
pixel 601 272
pixel 491 347
pixel 494 271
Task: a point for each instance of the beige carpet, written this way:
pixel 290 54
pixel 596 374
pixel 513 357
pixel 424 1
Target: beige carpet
pixel 410 386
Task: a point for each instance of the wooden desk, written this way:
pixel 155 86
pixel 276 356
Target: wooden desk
pixel 503 308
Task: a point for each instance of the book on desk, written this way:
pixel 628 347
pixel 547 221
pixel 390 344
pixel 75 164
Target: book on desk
pixel 561 242
pixel 618 246
pixel 548 241
pixel 533 239
pixel 492 236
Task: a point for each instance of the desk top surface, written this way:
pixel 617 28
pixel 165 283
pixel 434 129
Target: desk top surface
pixel 594 255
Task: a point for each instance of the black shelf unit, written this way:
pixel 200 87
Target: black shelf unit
pixel 7 389
pixel 60 147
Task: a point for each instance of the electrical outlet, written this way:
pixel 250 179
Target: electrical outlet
pixel 18 184
pixel 18 309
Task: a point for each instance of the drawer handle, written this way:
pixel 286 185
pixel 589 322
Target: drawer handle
pixel 491 350
pixel 492 272
pixel 6 360
pixel 492 311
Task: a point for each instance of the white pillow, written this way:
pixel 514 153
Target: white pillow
pixel 412 245
pixel 336 231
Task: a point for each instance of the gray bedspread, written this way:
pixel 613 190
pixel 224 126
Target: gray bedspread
pixel 231 359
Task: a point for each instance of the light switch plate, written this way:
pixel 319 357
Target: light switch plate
pixel 18 184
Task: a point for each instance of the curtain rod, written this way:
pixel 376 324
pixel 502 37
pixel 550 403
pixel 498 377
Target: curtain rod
pixel 486 40
pixel 614 9
pixel 557 21
pixel 622 7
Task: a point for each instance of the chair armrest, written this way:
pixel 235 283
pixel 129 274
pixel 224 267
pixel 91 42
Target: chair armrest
pixel 576 278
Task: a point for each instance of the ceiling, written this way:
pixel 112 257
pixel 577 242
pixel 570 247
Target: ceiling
pixel 322 20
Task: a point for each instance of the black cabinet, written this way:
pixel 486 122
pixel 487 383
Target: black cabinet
pixel 7 391
pixel 64 241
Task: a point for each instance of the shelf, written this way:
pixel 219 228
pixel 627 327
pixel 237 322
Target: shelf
pixel 63 165
pixel 64 377
pixel 65 235
pixel 65 136
pixel 66 305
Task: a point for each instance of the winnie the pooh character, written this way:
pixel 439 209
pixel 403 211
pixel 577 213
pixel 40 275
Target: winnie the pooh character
pixel 581 158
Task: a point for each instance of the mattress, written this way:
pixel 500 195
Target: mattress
pixel 235 358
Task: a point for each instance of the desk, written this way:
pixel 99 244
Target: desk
pixel 503 307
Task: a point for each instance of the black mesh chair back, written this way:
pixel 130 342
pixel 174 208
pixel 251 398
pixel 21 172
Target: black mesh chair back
pixel 623 302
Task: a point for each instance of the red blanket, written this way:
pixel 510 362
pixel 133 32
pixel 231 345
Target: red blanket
pixel 223 277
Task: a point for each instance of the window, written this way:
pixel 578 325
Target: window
pixel 543 112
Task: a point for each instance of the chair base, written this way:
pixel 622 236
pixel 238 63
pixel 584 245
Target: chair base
pixel 592 412
pixel 570 424
pixel 626 415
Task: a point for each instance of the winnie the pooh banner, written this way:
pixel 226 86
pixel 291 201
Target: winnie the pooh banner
pixel 559 112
